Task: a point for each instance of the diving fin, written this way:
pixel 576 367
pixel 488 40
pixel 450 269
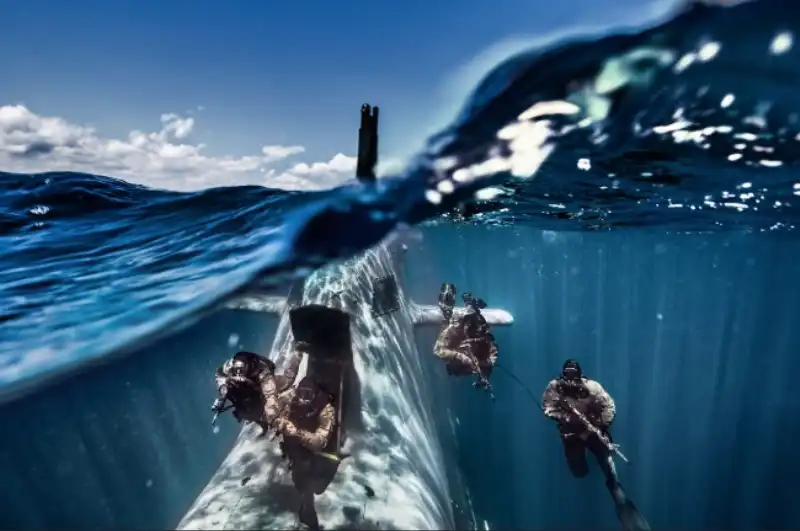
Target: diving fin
pixel 307 513
pixel 447 296
pixel 629 516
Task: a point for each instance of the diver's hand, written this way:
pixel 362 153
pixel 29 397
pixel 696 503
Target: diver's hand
pixel 483 383
pixel 595 420
pixel 218 405
pixel 570 425
pixel 289 429
pixel 285 427
pixel 571 420
pixel 553 413
pixel 595 416
pixel 561 417
pixel 473 363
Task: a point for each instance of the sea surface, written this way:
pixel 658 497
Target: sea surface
pixel 688 125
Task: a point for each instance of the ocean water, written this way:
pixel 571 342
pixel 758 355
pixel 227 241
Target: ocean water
pixel 695 336
pixel 630 197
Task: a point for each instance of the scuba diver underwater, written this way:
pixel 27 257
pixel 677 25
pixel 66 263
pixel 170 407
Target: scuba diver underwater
pixel 308 417
pixel 466 342
pixel 305 416
pixel 584 412
pixel 249 383
pixel 307 427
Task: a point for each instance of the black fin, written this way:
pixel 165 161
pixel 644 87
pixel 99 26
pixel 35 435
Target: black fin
pixel 447 295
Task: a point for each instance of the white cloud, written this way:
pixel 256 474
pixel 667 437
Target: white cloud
pixel 315 176
pixel 164 159
pixel 322 175
pixel 273 153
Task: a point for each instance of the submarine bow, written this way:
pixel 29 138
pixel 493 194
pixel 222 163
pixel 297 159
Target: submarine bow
pixel 395 475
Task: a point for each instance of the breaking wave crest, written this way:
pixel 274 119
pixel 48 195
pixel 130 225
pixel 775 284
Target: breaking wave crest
pixel 688 125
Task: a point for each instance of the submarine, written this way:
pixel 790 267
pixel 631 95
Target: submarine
pixel 360 323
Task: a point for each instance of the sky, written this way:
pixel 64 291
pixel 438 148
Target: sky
pixel 188 95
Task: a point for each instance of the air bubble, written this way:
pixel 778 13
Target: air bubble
pixel 433 197
pixel 781 44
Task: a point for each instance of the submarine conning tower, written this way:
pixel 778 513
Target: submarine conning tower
pixel 367 144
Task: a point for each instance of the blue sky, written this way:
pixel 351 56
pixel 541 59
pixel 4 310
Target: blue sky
pixel 264 72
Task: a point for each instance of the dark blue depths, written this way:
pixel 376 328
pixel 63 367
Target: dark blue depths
pixel 127 444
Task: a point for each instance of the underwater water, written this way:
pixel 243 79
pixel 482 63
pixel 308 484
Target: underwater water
pixel 693 335
pixel 660 165
pixel 128 444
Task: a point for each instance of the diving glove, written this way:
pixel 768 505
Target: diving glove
pixel 219 403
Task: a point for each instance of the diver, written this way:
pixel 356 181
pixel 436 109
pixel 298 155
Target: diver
pixel 479 341
pixel 465 343
pixel 249 382
pixel 584 412
pixel 307 426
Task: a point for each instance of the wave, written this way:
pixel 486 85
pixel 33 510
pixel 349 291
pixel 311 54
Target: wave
pixel 687 125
